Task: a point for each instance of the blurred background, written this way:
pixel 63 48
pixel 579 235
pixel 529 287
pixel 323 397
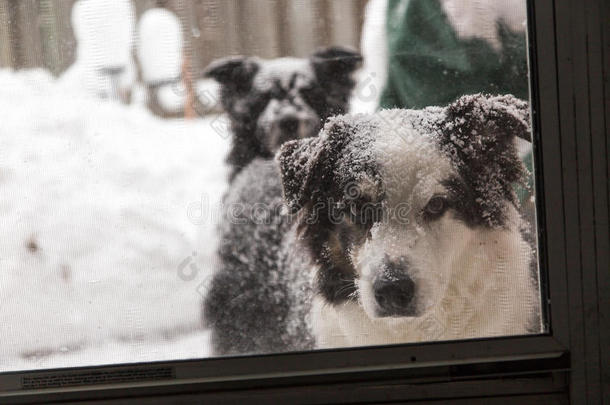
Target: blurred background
pixel 38 33
pixel 153 52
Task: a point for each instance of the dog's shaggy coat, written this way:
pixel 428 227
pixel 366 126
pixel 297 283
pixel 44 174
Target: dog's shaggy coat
pixel 396 227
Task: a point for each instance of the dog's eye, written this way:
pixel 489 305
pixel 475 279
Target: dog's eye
pixel 311 93
pixel 278 93
pixel 436 206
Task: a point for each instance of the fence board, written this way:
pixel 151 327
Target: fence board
pixel 28 34
pixel 36 33
pixel 6 51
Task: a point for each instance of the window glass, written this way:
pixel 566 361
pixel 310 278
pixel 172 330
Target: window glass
pixel 182 180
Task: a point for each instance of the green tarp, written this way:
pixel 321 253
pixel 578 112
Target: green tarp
pixel 428 64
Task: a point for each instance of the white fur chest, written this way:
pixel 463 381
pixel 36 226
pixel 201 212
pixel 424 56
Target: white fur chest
pixel 491 292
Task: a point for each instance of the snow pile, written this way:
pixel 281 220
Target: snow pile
pixel 160 52
pixel 104 33
pixel 104 30
pixel 159 45
pixel 372 77
pixel 101 208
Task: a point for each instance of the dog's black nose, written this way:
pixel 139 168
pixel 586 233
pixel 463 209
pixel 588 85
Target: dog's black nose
pixel 394 294
pixel 289 124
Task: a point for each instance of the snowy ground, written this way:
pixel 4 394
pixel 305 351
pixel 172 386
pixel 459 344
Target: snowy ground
pixel 102 206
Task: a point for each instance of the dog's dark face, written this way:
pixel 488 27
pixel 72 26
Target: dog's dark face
pixel 272 101
pixel 389 203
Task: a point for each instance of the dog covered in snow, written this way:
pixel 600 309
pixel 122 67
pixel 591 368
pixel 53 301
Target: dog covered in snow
pixel 269 102
pixel 396 227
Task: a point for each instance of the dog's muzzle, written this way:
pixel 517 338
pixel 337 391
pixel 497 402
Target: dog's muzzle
pixel 289 127
pixel 394 291
pixel 289 123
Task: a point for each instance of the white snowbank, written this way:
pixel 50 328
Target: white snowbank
pixel 95 200
pixel 159 45
pixel 104 32
pixel 135 350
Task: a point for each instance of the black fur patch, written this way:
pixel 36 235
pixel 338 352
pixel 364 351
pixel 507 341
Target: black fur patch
pixel 333 67
pixel 478 134
pixel 317 174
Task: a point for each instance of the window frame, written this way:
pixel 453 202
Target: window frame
pixel 552 89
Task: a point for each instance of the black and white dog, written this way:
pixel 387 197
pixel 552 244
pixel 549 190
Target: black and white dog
pixel 396 227
pixel 272 101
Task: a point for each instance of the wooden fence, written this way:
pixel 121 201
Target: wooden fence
pixel 37 33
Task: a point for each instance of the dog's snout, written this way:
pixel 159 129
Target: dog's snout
pixel 289 124
pixel 394 296
pixel 394 291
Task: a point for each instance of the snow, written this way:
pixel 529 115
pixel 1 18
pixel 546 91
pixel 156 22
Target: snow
pixel 102 206
pixel 104 29
pixel 160 56
pixel 124 352
pixel 104 33
pixel 172 97
pixel 372 77
pixel 160 52
pixel 280 70
pixel 159 45
pixel 208 93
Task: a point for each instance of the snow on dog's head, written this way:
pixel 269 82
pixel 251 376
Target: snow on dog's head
pixel 387 203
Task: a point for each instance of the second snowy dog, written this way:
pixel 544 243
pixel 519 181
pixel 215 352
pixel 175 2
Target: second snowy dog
pixel 272 101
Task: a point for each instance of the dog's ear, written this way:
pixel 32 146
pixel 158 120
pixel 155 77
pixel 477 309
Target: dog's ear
pixel 308 165
pixel 502 118
pixel 298 160
pixel 478 131
pixel 335 63
pixel 233 70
